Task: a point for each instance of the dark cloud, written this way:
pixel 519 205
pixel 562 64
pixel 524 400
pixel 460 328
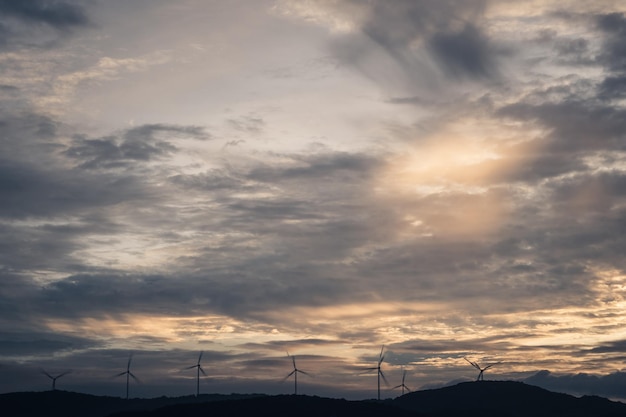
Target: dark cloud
pixel 613 55
pixel 60 14
pixel 30 22
pixel 138 144
pixel 614 51
pixel 575 125
pixel 339 166
pixel 613 87
pixel 291 344
pixel 21 344
pixel 215 179
pixel 618 346
pixel 464 53
pixel 45 192
pixel 449 30
pixel 610 385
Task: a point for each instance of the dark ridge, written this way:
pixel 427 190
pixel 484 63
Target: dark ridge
pixel 506 399
pixel 484 398
pixel 280 406
pixel 72 404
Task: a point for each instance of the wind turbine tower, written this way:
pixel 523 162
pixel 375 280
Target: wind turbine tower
pixel 379 371
pixel 481 370
pixel 128 374
pixel 198 370
pixel 54 378
pixel 295 373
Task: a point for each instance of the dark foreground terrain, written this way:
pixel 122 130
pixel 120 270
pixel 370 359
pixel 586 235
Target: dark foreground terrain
pixel 485 399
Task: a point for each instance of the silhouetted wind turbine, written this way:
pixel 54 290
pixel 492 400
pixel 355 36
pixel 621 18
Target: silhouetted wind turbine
pixel 379 371
pixel 128 374
pixel 481 376
pixel 402 384
pixel 199 369
pixel 295 373
pixel 54 378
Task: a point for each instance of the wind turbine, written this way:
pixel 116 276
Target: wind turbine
pixel 295 373
pixel 198 370
pixel 128 374
pixel 379 371
pixel 481 376
pixel 54 378
pixel 402 384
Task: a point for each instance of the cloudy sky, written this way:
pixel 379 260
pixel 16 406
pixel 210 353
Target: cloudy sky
pixel 250 177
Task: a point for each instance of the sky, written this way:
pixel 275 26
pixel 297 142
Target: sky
pixel 247 178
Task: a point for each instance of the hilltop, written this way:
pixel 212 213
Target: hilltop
pixel 506 399
pixel 485 398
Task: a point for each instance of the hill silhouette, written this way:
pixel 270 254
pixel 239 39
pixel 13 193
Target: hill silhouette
pixel 485 398
pixel 73 404
pixel 506 399
pixel 280 406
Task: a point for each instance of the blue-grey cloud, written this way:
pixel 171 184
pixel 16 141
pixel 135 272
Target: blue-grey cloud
pixel 449 29
pixel 464 53
pixel 138 144
pixel 614 53
pixel 610 385
pixel 25 22
pixel 59 14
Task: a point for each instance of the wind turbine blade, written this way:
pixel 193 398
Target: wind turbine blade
pixel 305 373
pixel 64 373
pixel 134 377
pixel 407 388
pixel 382 358
pixel 381 351
pixel 397 386
pixel 293 359
pixel 200 357
pixel 471 363
pixel 403 377
pixel 383 375
pixel 120 374
pixel 46 374
pixel 474 364
pixel 130 358
pixel 192 366
pixel 202 370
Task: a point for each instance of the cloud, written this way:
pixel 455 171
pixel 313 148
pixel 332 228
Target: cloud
pixel 574 125
pixel 247 124
pixel 416 37
pixel 30 343
pixel 618 346
pixel 614 54
pixel 138 144
pixel 609 386
pixel 464 53
pixel 38 22
pixel 59 14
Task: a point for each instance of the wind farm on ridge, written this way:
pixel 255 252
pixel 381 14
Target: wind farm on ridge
pixel 295 370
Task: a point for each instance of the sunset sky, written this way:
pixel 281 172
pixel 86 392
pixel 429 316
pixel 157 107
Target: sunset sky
pixel 446 178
